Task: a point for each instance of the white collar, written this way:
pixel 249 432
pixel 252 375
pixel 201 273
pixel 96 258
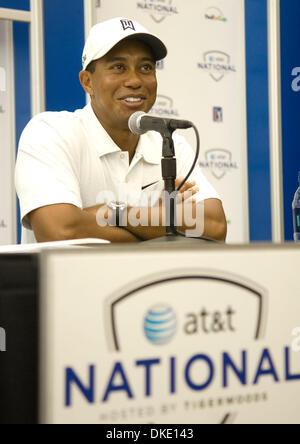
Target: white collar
pixel 146 147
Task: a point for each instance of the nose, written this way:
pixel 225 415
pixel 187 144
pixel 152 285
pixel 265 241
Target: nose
pixel 133 80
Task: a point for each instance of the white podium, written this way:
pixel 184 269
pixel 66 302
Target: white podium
pixel 173 334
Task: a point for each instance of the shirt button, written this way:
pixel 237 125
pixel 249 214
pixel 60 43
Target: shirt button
pixel 122 156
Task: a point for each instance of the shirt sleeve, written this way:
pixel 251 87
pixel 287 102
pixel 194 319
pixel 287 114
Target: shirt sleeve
pixel 46 169
pixel 185 158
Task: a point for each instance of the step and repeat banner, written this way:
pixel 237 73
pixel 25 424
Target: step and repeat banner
pixel 7 137
pixel 203 80
pixel 210 342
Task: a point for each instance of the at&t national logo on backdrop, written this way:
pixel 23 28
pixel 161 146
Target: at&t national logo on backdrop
pixel 164 107
pixel 219 162
pixel 159 10
pixel 217 64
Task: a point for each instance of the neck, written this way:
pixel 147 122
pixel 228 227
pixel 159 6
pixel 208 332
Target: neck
pixel 122 137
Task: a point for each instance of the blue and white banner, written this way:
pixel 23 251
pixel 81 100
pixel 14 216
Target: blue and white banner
pixel 7 137
pixel 203 80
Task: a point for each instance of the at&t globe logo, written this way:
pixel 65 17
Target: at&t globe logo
pixel 160 324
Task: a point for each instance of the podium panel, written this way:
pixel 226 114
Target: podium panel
pixel 19 321
pixel 197 335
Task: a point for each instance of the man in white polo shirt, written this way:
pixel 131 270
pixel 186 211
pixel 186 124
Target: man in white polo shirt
pixel 68 162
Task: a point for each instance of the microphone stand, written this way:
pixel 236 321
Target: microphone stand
pixel 139 123
pixel 169 174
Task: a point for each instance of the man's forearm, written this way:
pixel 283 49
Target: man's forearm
pixel 194 219
pixel 113 234
pixel 146 223
pixel 205 218
pixel 143 223
pixel 60 222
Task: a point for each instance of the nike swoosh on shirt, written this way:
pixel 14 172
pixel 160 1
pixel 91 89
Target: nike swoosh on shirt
pixel 150 184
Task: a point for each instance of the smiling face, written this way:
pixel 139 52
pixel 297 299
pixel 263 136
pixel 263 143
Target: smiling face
pixel 124 82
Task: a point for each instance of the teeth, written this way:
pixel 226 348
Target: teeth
pixel 132 99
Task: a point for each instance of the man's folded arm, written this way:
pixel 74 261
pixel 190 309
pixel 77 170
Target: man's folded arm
pixel 205 218
pixel 64 222
pixel 215 224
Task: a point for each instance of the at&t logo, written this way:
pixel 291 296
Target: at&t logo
pixel 160 324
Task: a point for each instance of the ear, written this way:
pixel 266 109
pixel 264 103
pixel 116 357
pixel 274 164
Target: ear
pixel 85 78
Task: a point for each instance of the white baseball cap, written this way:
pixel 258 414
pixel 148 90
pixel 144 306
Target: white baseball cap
pixel 105 35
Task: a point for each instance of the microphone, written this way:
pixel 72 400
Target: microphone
pixel 139 123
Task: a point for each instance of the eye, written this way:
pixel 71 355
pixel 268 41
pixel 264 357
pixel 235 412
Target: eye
pixel 118 67
pixel 147 67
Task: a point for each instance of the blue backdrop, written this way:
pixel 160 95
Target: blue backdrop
pixel 64 41
pixel 290 58
pixel 258 120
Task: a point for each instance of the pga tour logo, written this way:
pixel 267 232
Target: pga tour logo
pixel 127 24
pixel 159 10
pixel 217 114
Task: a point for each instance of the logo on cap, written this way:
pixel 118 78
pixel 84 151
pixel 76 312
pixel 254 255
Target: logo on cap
pixel 127 24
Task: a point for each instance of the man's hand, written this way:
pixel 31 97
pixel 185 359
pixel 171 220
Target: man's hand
pixel 205 218
pixel 187 191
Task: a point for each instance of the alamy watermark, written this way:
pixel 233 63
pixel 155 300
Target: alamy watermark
pixel 2 79
pixel 296 341
pixel 2 340
pixel 187 213
pixel 296 80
